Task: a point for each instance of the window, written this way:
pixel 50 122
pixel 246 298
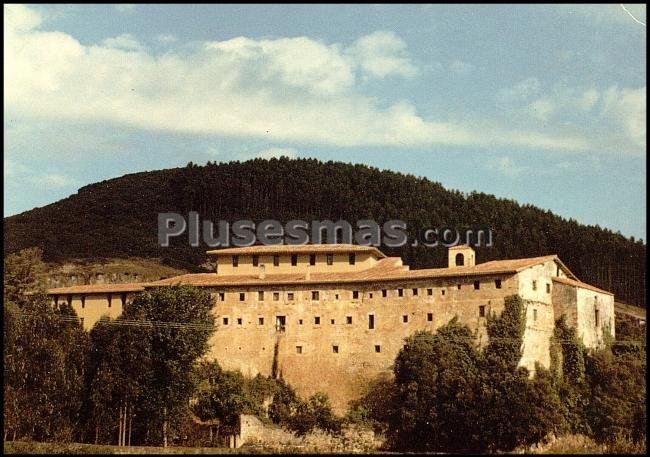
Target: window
pixel 299 321
pixel 335 349
pixel 312 259
pixel 317 320
pixel 352 259
pixel 371 321
pixel 384 293
pixel 242 296
pixel 256 260
pixel 596 317
pixel 336 296
pixel 70 299
pixel 377 348
pixel 442 292
pixel 405 318
pixel 222 296
pixel 294 260
pixel 332 321
pixel 477 285
pixel 481 311
pixel 235 261
pixel 415 292
pixel 225 321
pixel 298 349
pixel 429 317
pixel 330 259
pixel 289 295
pixel 123 297
pixel 355 294
pixel 110 297
pixel 314 295
pixel 497 283
pixel 534 285
pixel 276 260
pixel 276 296
pixel 260 295
pixel 348 320
pixel 239 321
pixel 280 323
pixel 548 288
pixel 83 301
pixel 370 295
pixel 458 286
pixel 460 260
pixel 534 315
pixel 400 292
pixel 260 320
pixel 429 292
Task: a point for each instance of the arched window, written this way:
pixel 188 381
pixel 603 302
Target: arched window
pixel 460 260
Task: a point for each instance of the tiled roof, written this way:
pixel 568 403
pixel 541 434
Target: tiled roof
pixel 298 249
pixel 584 285
pixel 386 269
pixel 98 288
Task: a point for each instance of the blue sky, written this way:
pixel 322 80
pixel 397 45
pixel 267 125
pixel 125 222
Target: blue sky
pixel 542 104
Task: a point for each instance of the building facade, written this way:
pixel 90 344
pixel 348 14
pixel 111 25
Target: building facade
pixel 330 318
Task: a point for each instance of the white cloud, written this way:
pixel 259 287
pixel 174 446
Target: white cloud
pixel 507 167
pixel 627 109
pixel 461 68
pixel 297 90
pixel 382 54
pixel 542 108
pixel 166 38
pixel 277 153
pixel 125 41
pixel 522 91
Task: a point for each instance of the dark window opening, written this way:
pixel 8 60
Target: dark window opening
pixel 330 259
pixel 290 296
pixel 429 317
pixel 415 292
pixel 332 321
pixel 477 285
pixel 242 296
pixel 299 321
pixel 83 301
pixel 460 260
pixel 235 261
pixel 312 259
pixel 260 295
pixel 70 300
pixel 314 295
pixel 299 349
pixel 442 291
pixel 348 320
pixel 534 285
pixel 280 323
pixel 260 320
pixel 352 259
pixel 377 348
pixel 596 317
pixel 481 311
pixel 371 321
pixel 534 315
pixel 405 318
pixel 400 292
pixel 222 296
pixel 239 321
pixel 335 349
pixel 276 260
pixel 548 288
pixel 497 283
pixel 384 293
pixel 429 292
pixel 225 321
pixel 458 286
pixel 317 320
pixel 110 298
pixel 256 260
pixel 276 296
pixel 294 260
pixel 355 294
pixel 123 297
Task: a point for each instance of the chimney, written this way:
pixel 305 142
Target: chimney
pixel 262 274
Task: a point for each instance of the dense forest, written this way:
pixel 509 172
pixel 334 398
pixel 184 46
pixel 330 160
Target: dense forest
pixel 118 217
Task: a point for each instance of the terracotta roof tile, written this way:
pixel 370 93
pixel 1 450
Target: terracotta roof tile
pixel 298 249
pixel 98 288
pixel 584 285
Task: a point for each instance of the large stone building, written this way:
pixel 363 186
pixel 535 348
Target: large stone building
pixel 331 317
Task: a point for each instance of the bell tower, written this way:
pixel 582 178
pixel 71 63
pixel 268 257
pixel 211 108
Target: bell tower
pixel 461 256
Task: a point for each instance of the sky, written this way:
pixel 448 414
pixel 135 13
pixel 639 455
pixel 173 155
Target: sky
pixel 543 104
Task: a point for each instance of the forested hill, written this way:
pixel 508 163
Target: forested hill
pixel 118 217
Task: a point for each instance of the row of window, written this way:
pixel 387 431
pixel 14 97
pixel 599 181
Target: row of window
pixel 315 294
pixel 548 287
pixel 280 323
pixel 335 349
pixel 83 300
pixel 294 260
